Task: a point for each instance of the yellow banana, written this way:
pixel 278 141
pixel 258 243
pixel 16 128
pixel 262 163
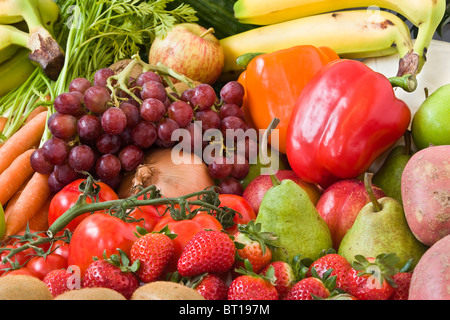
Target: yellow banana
pixel 49 12
pixel 352 34
pixel 11 12
pixel 15 71
pixel 425 14
pixel 11 39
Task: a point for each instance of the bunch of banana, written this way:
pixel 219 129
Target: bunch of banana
pixel 26 41
pixel 353 28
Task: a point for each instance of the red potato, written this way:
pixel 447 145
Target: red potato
pixel 426 193
pixel 430 279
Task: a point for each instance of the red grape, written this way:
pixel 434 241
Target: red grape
pixel 154 89
pixel 101 76
pixel 144 135
pixel 89 127
pixel 181 112
pixel 79 85
pixel 114 121
pixel 232 92
pixel 96 99
pixel 108 166
pixel 39 163
pixel 152 109
pixel 68 103
pixel 55 150
pixel 203 97
pixel 81 158
pixel 130 157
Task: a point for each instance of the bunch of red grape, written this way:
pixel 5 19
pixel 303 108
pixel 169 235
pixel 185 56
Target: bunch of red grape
pixel 92 134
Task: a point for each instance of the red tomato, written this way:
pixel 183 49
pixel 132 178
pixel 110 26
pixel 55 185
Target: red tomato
pixel 66 198
pixel 185 230
pixel 61 248
pixel 97 233
pixel 19 258
pixel 40 266
pixel 239 204
pixel 20 271
pixel 150 215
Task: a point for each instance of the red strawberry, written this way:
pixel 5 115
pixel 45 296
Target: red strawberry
pixel 254 245
pixel 211 287
pixel 113 273
pixel 312 288
pixel 60 280
pixel 340 266
pixel 251 286
pixel 153 251
pixel 285 277
pixel 371 278
pixel 402 281
pixel 209 251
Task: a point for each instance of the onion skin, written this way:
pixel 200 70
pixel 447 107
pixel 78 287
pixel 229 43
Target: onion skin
pixel 173 180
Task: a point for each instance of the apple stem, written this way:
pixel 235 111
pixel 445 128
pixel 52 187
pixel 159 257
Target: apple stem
pixel 209 31
pixel 368 185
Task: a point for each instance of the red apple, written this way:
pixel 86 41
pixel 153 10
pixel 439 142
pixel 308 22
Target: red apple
pixel 255 190
pixel 340 203
pixel 191 50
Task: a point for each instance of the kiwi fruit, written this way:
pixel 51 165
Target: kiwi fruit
pixel 23 287
pixel 165 290
pixel 90 294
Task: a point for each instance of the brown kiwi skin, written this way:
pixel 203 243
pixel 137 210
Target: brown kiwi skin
pixel 90 294
pixel 23 287
pixel 165 290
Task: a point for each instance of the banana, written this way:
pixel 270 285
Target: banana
pixel 44 48
pixel 425 14
pixel 11 11
pixel 49 12
pixel 11 39
pixel 15 71
pixel 352 34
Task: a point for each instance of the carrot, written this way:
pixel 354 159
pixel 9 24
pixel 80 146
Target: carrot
pixel 10 204
pixel 3 121
pixel 25 138
pixel 35 112
pixel 15 175
pixel 30 201
pixel 40 220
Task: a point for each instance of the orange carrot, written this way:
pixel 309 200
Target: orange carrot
pixel 15 175
pixel 10 204
pixel 23 139
pixel 3 121
pixel 30 201
pixel 40 220
pixel 35 112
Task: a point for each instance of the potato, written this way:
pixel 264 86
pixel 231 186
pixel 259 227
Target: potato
pixel 426 193
pixel 430 279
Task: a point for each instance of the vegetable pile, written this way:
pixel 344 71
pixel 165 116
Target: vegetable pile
pixel 223 150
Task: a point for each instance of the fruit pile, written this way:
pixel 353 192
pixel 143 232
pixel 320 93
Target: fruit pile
pixel 260 157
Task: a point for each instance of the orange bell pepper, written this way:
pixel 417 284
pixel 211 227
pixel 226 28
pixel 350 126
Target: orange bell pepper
pixel 274 81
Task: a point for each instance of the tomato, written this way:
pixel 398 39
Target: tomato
pixel 66 198
pixel 21 271
pixel 61 248
pixel 40 266
pixel 97 233
pixel 239 204
pixel 150 215
pixel 185 230
pixel 19 258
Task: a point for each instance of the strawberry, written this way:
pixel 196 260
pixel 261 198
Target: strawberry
pixel 402 280
pixel 256 246
pixel 59 281
pixel 210 286
pixel 209 251
pixel 113 273
pixel 371 278
pixel 252 286
pixel 153 251
pixel 340 266
pixel 313 287
pixel 285 276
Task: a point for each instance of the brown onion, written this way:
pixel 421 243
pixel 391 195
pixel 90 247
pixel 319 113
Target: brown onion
pixel 172 179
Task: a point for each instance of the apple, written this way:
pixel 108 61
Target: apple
pixel 340 203
pixel 191 50
pixel 255 190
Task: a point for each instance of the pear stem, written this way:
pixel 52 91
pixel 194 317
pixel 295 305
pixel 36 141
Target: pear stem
pixel 368 185
pixel 407 137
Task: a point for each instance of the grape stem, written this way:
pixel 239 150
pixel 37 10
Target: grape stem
pixel 203 201
pixel 120 81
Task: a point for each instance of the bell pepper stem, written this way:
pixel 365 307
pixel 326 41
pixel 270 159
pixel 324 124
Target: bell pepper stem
pixel 408 82
pixel 368 185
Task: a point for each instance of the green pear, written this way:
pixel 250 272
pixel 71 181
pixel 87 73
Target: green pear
pixel 287 211
pixel 381 227
pixel 389 176
pixel 430 124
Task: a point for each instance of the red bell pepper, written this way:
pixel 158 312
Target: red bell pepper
pixel 345 117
